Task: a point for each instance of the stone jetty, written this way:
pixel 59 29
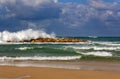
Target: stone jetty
pixel 52 40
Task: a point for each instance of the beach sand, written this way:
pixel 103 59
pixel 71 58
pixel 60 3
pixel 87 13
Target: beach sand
pixel 9 72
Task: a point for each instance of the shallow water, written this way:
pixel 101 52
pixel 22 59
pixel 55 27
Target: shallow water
pixel 105 49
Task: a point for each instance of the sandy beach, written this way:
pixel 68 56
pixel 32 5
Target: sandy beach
pixel 59 39
pixel 9 72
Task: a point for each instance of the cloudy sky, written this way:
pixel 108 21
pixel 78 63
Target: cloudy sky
pixel 64 17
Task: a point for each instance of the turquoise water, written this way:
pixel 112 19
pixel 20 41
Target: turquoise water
pixel 98 48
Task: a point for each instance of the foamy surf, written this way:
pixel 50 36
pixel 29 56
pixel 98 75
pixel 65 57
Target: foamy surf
pixel 2 59
pixel 24 35
pixel 22 77
pixel 107 43
pixel 93 47
pixel 25 52
pixel 98 53
pixel 24 48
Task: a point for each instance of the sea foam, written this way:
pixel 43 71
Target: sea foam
pixel 98 53
pixel 24 35
pixel 24 48
pixel 40 58
pixel 93 47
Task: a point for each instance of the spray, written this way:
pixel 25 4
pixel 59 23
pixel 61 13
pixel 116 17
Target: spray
pixel 24 35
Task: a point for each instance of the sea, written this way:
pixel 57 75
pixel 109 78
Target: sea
pixel 96 49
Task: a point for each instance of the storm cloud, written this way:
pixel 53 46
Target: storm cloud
pixel 94 17
pixel 16 13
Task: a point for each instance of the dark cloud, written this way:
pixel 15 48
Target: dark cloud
pixel 46 11
pixel 14 13
pixel 95 17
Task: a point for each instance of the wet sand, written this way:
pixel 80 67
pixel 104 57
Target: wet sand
pixel 10 72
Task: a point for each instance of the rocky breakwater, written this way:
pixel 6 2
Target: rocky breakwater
pixel 52 40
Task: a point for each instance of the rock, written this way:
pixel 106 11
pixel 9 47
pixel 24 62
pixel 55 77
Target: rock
pixel 52 40
pixel 57 40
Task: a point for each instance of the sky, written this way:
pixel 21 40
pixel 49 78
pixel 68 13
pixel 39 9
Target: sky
pixel 78 1
pixel 63 17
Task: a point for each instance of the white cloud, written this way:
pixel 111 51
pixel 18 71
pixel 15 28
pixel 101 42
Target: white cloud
pixel 5 1
pixel 63 15
pixel 75 14
pixel 102 5
pixel 118 14
pixel 97 4
pixel 109 12
pixel 36 2
pixel 32 3
pixel 9 15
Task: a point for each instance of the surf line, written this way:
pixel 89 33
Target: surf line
pixel 22 77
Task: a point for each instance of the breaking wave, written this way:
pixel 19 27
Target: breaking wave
pixel 40 58
pixel 21 77
pixel 98 53
pixel 108 43
pixel 24 48
pixel 93 47
pixel 24 35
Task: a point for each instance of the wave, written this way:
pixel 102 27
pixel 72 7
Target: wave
pixel 40 58
pixel 27 48
pixel 24 48
pixel 24 35
pixel 106 48
pixel 21 77
pixel 92 47
pixel 108 43
pixel 97 53
pixel 62 43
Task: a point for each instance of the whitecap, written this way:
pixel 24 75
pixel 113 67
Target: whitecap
pixel 40 58
pixel 24 48
pixel 27 34
pixel 22 77
pixel 98 53
pixel 92 47
pixel 108 43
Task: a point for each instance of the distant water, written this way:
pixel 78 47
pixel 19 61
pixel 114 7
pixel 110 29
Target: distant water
pixel 104 48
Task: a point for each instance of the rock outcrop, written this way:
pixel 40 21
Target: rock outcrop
pixel 52 40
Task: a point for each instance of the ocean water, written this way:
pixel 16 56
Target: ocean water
pixel 100 48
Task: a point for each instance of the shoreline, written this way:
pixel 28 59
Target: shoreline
pixel 11 72
pixel 71 65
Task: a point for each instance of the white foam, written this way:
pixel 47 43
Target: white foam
pixel 24 48
pixel 67 43
pixel 24 35
pixel 22 77
pixel 98 53
pixel 108 43
pixel 40 58
pixel 106 48
pixel 93 47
